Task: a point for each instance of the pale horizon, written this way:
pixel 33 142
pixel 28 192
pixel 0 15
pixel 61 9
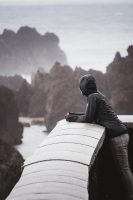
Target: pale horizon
pixel 61 2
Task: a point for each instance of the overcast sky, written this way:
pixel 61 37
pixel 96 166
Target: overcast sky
pixel 62 1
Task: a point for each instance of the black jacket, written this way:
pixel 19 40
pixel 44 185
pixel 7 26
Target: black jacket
pixel 98 111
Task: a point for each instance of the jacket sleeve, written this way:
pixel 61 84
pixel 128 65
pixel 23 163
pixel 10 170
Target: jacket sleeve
pixel 89 114
pixel 76 113
pixel 89 111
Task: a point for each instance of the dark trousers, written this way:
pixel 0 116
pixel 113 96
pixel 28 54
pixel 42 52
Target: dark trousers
pixel 119 149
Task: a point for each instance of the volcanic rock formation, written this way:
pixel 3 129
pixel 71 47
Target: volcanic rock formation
pixel 27 50
pixel 10 129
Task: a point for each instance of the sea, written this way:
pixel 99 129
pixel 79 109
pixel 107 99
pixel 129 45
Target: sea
pixel 33 135
pixel 90 34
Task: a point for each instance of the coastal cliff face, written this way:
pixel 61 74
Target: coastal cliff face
pixel 23 97
pixel 12 82
pixel 62 95
pixel 10 168
pixel 27 50
pixel 120 77
pixel 10 129
pixel 10 134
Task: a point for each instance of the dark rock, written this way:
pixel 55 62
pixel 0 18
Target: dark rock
pixel 62 96
pixel 27 50
pixel 117 57
pixel 26 124
pixel 37 104
pixel 12 82
pixel 51 38
pixel 10 133
pixel 10 129
pixel 119 77
pixel 27 33
pixel 23 98
pixel 130 51
pixel 11 163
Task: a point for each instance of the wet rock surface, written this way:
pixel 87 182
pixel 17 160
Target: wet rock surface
pixel 10 168
pixel 10 129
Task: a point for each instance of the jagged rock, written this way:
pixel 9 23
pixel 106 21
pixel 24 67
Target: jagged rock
pixel 130 51
pixel 22 90
pixel 10 168
pixel 37 104
pixel 12 82
pixel 27 50
pixel 8 34
pixel 62 95
pixel 10 133
pixel 119 77
pixel 23 98
pixel 117 57
pixel 10 129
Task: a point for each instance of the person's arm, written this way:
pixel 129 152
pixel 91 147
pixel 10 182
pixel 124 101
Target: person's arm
pixel 77 113
pixel 89 114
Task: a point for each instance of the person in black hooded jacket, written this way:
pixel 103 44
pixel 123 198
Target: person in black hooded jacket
pixel 100 112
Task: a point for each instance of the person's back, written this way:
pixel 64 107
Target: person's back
pixel 105 116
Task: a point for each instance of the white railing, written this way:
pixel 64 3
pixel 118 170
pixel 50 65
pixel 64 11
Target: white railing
pixel 58 170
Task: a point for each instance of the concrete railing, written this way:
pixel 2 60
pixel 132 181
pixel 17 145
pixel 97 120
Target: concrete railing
pixel 60 166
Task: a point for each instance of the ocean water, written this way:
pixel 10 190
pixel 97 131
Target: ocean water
pixel 32 138
pixel 90 35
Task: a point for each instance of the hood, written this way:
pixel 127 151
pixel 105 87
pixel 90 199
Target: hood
pixel 87 84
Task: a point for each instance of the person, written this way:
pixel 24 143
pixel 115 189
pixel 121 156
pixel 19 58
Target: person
pixel 100 112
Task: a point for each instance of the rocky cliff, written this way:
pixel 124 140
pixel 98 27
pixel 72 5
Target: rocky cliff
pixel 120 76
pixel 10 168
pixel 27 50
pixel 10 134
pixel 12 82
pixel 10 129
pixel 61 94
pixel 23 97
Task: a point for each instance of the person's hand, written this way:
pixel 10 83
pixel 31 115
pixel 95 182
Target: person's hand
pixel 70 117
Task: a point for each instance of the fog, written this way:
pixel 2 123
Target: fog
pixel 61 1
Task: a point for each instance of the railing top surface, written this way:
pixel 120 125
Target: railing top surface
pixel 127 119
pixel 59 167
